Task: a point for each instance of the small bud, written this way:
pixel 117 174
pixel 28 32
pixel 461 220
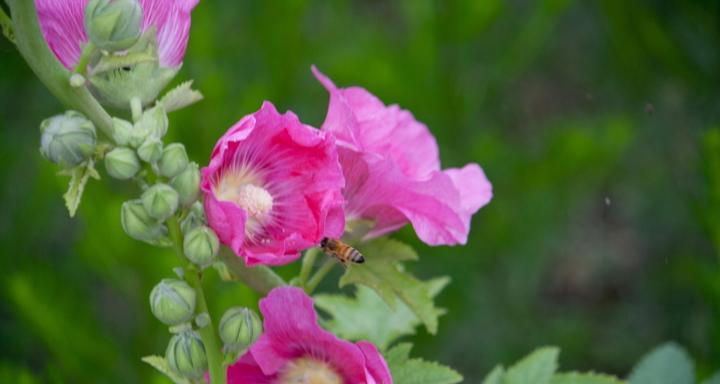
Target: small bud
pixel 122 131
pixel 122 163
pixel 67 139
pixel 160 201
pixel 151 150
pixel 138 224
pixel 194 218
pixel 113 25
pixel 172 301
pixel 185 355
pixel 187 183
pixel 174 160
pixel 239 328
pixel 201 245
pixel 154 121
pixel 77 80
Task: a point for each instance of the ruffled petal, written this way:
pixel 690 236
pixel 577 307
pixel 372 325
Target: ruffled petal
pixel 246 370
pixel 377 367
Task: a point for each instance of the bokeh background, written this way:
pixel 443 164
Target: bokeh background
pixel 597 123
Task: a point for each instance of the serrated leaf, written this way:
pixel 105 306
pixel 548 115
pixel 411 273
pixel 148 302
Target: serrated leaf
pixel 417 371
pixel 495 376
pixel 159 363
pixel 666 364
pixel 180 97
pixel 79 177
pixel 585 378
pixel 368 317
pixel 382 273
pixel 536 368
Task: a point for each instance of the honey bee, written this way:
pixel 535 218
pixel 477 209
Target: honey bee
pixel 341 251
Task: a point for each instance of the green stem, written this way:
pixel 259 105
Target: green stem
pixel 308 262
pixel 85 56
pixel 192 276
pixel 261 279
pixel 32 46
pixel 320 275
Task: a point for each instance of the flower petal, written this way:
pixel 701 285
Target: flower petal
pixel 61 22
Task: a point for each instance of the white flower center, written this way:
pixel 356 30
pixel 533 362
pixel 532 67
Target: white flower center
pixel 308 371
pixel 257 201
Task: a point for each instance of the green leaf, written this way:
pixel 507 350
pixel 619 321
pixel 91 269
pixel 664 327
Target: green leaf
pixel 383 273
pixel 495 376
pixel 714 379
pixel 79 176
pixel 536 368
pixel 666 364
pixel 585 378
pixel 417 371
pixel 159 363
pixel 368 317
pixel 180 97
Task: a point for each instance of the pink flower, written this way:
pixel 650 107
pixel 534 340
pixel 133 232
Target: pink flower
pixel 62 26
pixel 273 187
pixel 294 346
pixel 392 170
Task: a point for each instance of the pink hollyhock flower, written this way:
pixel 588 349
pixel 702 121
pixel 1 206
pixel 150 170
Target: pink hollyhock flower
pixel 273 187
pixel 294 347
pixel 392 170
pixel 62 26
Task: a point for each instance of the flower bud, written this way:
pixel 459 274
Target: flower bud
pixel 201 245
pixel 138 224
pixel 172 301
pixel 194 218
pixel 160 201
pixel 239 328
pixel 174 160
pixel 122 131
pixel 185 355
pixel 122 163
pixel 67 139
pixel 151 150
pixel 113 25
pixel 187 183
pixel 154 121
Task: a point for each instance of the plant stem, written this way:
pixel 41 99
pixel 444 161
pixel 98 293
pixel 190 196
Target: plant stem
pixel 32 46
pixel 192 276
pixel 261 279
pixel 308 262
pixel 82 64
pixel 319 275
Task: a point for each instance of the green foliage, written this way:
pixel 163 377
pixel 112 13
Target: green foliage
pixel 406 370
pixel 79 177
pixel 383 273
pixel 159 363
pixel 180 97
pixel 666 364
pixel 584 378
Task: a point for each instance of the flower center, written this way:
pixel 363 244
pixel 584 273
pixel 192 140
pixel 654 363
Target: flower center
pixel 308 371
pixel 242 189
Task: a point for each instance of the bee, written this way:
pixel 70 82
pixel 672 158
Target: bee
pixel 341 251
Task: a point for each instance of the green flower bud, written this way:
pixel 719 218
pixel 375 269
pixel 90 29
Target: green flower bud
pixel 151 150
pixel 122 131
pixel 174 160
pixel 194 218
pixel 138 224
pixel 160 201
pixel 154 121
pixel 172 301
pixel 113 25
pixel 185 355
pixel 239 328
pixel 122 163
pixel 201 245
pixel 187 183
pixel 67 139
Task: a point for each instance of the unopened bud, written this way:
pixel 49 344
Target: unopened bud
pixel 239 328
pixel 122 163
pixel 67 139
pixel 122 131
pixel 160 201
pixel 172 301
pixel 194 218
pixel 201 245
pixel 151 150
pixel 113 25
pixel 154 121
pixel 185 355
pixel 174 160
pixel 138 224
pixel 187 184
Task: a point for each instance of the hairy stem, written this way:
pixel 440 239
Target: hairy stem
pixel 207 333
pixel 32 46
pixel 319 275
pixel 261 279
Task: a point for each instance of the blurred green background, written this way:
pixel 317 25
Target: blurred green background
pixel 597 123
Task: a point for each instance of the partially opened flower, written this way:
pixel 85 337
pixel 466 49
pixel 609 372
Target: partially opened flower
pixel 392 170
pixel 294 349
pixel 273 187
